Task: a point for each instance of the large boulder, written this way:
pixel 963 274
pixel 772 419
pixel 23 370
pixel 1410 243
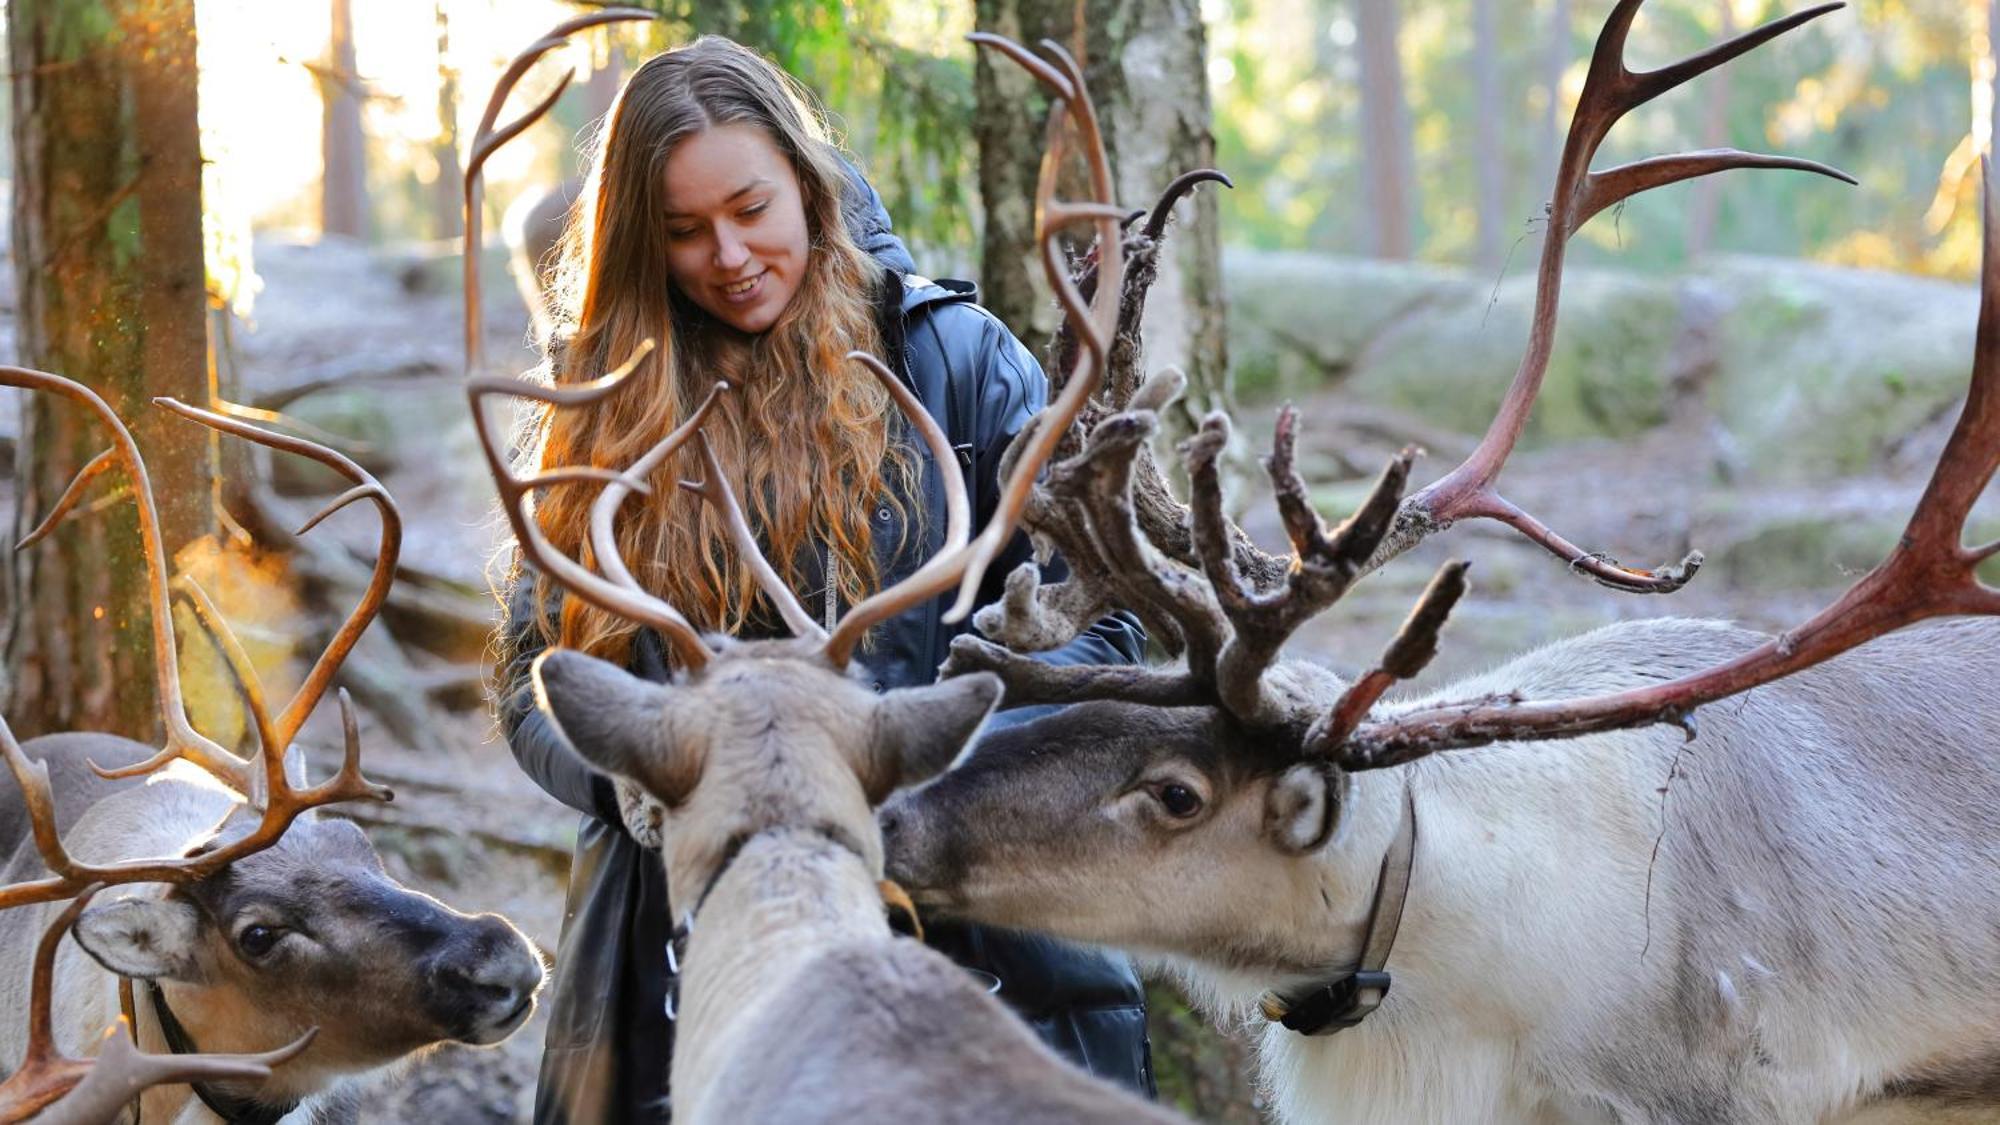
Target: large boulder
pixel 1808 371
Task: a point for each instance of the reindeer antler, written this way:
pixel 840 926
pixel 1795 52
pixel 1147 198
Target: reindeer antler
pixel 389 550
pixel 183 741
pixel 264 783
pixel 487 139
pixel 1610 91
pixel 1929 573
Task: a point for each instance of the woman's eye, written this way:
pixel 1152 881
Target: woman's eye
pixel 1178 800
pixel 681 232
pixel 753 212
pixel 256 941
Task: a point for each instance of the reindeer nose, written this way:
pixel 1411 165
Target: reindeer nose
pixel 487 977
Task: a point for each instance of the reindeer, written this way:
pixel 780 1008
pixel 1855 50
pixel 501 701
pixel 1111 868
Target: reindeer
pixel 1577 915
pixel 241 919
pixel 796 1001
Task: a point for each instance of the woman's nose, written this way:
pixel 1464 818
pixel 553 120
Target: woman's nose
pixel 730 252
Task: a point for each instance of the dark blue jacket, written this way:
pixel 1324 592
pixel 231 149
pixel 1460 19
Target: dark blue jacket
pixel 608 1041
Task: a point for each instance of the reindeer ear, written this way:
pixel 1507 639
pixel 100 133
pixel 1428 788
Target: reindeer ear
pixel 615 721
pixel 1303 808
pixel 145 936
pixel 921 730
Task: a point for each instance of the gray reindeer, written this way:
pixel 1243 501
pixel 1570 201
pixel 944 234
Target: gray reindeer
pixel 1519 930
pixel 242 923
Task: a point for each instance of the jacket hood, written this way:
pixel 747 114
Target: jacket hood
pixel 868 223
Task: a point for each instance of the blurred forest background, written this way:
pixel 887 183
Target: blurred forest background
pixel 1759 364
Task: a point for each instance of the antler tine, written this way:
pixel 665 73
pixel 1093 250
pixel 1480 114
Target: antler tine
pixel 1610 91
pixel 632 479
pixel 36 795
pixel 240 666
pixel 1415 645
pixel 1156 225
pixel 120 1072
pixel 1928 574
pixel 44 1073
pixel 713 488
pixel 1096 319
pixel 183 741
pixel 67 502
pixel 518 501
pixel 948 565
pixel 604 510
pixel 1029 681
pixel 389 549
pixel 1326 566
pixel 486 140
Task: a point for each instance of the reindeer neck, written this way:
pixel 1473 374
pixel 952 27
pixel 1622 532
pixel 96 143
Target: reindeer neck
pixel 784 898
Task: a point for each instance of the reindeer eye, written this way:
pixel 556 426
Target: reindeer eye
pixel 256 941
pixel 1179 801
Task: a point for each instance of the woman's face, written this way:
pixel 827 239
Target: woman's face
pixel 736 225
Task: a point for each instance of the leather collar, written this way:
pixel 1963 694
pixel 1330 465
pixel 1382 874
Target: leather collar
pixel 232 1108
pixel 1337 1003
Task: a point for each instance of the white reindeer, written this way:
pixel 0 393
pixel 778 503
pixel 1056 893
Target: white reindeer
pixel 1576 916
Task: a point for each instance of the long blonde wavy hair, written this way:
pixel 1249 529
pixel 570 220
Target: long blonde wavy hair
pixel 805 435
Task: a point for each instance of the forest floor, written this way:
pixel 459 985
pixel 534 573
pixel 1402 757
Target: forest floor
pixel 383 329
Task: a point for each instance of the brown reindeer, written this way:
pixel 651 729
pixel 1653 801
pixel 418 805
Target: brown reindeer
pixel 796 1001
pixel 1519 930
pixel 236 918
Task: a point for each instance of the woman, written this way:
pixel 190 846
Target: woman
pixel 718 219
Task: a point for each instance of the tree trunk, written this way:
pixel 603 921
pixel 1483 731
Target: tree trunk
pixel 1387 148
pixel 447 208
pixel 343 200
pixel 1147 68
pixel 1489 163
pixel 108 263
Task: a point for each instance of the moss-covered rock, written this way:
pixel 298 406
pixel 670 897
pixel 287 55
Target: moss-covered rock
pixel 1443 345
pixel 1825 370
pixel 1816 371
pixel 1822 550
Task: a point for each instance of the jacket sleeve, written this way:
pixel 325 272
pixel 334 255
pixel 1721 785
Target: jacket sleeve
pixel 543 753
pixel 1012 390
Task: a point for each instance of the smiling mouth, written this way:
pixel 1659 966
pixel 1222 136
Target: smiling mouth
pixel 738 290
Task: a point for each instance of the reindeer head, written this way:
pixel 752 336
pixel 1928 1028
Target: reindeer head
pixel 767 735
pixel 312 932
